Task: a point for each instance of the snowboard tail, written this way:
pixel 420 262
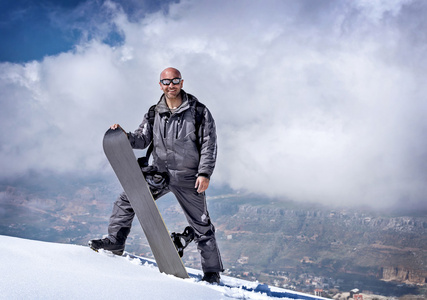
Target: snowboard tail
pixel 124 163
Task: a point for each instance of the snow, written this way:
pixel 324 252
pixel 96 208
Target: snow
pixel 40 270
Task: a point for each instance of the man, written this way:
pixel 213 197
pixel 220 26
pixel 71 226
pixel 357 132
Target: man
pixel 187 157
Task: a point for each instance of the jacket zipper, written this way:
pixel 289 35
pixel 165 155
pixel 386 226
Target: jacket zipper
pixel 177 128
pixel 165 127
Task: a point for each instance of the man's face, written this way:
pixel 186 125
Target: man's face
pixel 171 90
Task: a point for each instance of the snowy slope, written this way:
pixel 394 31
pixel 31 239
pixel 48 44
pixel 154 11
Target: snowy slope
pixel 40 270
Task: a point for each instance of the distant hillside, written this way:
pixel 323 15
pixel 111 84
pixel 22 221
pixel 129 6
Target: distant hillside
pixel 346 245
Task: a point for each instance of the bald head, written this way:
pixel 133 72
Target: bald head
pixel 170 73
pixel 171 84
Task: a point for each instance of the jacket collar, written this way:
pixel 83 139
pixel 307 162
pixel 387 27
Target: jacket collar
pixel 162 107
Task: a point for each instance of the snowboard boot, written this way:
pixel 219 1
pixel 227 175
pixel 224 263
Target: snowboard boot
pixel 181 240
pixel 211 277
pixel 106 244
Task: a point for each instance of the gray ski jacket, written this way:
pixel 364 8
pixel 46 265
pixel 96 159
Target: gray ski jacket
pixel 176 150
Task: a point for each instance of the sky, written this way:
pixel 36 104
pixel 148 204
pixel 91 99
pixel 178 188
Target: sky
pixel 40 270
pixel 314 101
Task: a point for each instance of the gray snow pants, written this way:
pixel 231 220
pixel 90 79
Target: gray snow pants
pixel 195 210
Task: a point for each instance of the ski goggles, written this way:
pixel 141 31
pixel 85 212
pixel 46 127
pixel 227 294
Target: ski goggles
pixel 175 81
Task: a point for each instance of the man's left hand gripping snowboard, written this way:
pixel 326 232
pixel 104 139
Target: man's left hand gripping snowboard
pixel 121 157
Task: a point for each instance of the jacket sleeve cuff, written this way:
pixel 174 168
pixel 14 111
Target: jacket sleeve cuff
pixel 204 175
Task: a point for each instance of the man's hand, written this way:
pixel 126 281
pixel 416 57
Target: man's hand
pixel 115 126
pixel 202 184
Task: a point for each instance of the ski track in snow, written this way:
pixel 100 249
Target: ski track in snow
pixel 40 270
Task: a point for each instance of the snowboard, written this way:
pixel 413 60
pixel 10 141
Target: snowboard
pixel 124 163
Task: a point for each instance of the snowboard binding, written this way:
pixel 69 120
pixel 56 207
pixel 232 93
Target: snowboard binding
pixel 182 240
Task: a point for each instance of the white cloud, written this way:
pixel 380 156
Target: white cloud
pixel 309 105
pixel 376 10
